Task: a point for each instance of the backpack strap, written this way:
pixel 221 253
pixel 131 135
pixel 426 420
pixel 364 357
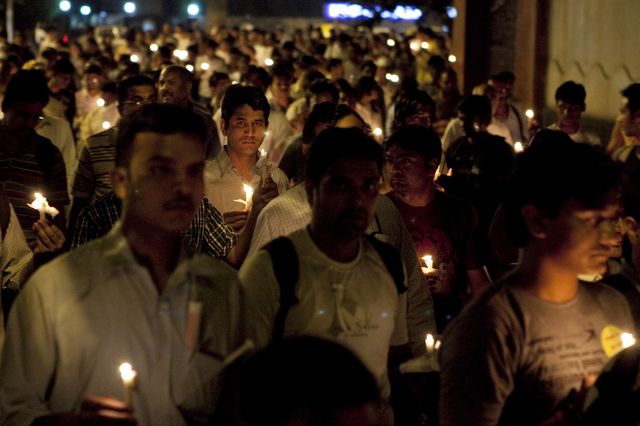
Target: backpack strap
pixel 392 261
pixel 286 270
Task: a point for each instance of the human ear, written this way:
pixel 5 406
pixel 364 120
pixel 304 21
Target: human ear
pixel 119 177
pixel 632 230
pixel 535 221
pixel 223 126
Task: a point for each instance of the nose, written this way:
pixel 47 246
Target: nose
pixel 610 231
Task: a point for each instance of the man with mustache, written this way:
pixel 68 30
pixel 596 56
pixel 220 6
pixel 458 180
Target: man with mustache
pixel 136 295
pixel 344 291
pixel 244 120
pixel 174 87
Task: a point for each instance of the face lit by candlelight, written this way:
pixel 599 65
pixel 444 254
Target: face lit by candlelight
pixel 163 184
pixel 245 130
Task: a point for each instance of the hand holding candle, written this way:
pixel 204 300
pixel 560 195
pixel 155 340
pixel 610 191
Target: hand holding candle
pixel 128 375
pixel 40 203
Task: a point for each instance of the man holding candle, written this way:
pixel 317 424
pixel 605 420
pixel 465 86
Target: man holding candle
pixel 441 226
pixel 526 349
pixel 344 290
pixel 245 115
pixel 135 296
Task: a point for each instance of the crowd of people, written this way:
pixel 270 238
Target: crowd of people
pixel 265 226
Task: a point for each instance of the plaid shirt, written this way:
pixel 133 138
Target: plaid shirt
pixel 207 232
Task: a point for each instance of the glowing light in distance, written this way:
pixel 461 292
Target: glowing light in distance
pixel 189 67
pixel 529 113
pixel 193 9
pixel 394 78
pixel 452 12
pixel 627 340
pixel 181 54
pixel 414 45
pixel 65 5
pixel 85 10
pixel 134 58
pixel 268 62
pixel 204 66
pixel 153 47
pixel 106 125
pixel 391 42
pixel 424 45
pixel 100 102
pixel 518 147
pixel 452 58
pixel 129 7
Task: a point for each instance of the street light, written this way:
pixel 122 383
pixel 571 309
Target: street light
pixel 65 5
pixel 85 10
pixel 129 7
pixel 193 9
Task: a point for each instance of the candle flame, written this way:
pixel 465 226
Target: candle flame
pixel 40 203
pixel 529 113
pixel 627 340
pixel 428 260
pixel 127 373
pixel 517 147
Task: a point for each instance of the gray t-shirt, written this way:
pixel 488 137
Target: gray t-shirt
pixel 511 358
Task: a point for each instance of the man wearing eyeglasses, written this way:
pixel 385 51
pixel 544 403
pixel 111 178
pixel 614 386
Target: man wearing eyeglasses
pixel 30 163
pixel 97 159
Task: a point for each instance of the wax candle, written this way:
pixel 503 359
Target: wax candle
pixel 430 343
pixel 40 203
pixel 128 376
pixel 428 261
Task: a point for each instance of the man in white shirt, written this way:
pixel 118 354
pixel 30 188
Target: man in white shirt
pixel 570 104
pixel 133 296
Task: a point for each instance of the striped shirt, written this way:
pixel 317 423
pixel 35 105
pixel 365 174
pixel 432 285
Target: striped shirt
pixel 92 178
pixel 34 165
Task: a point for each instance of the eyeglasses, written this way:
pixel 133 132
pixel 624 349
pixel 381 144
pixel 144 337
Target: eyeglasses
pixel 28 115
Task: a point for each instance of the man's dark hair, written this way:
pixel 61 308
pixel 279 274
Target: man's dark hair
pixel 335 144
pixel 157 118
pixel 217 77
pixel 504 77
pixel 408 103
pixel 333 62
pixel 571 92
pixel 320 87
pixel 237 96
pixel 632 93
pixel 303 375
pixel 257 77
pixel 126 84
pixel 283 70
pixel 92 69
pixel 183 73
pixel 324 112
pixel 27 86
pixel 365 86
pixel 108 87
pixel 553 171
pixel 63 66
pixel 417 139
pixel 476 106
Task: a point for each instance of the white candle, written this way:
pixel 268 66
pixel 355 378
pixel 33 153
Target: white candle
pixel 430 343
pixel 266 171
pixel 128 376
pixel 40 203
pixel 248 196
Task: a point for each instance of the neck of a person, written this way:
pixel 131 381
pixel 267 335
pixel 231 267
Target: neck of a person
pixel 418 197
pixel 546 277
pixel 569 127
pixel 243 163
pixel 156 250
pixel 337 247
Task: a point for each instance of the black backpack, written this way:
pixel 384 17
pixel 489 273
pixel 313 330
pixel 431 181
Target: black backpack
pixel 287 270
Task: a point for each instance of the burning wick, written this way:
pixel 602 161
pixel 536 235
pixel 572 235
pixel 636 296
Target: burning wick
pixel 248 196
pixel 517 147
pixel 430 343
pixel 40 203
pixel 428 261
pixel 128 375
pixel 627 340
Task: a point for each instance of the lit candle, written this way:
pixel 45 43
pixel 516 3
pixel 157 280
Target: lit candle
pixel 153 47
pixel 529 113
pixel 100 102
pixel 128 375
pixel 204 66
pixel 430 343
pixel 266 170
pixel 518 147
pixel 106 125
pixel 40 203
pixel 428 261
pixel 377 134
pixel 268 62
pixel 627 340
pixel 248 196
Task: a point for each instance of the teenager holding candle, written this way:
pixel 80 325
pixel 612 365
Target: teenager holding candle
pixel 245 117
pixel 525 350
pixel 126 297
pixel 442 227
